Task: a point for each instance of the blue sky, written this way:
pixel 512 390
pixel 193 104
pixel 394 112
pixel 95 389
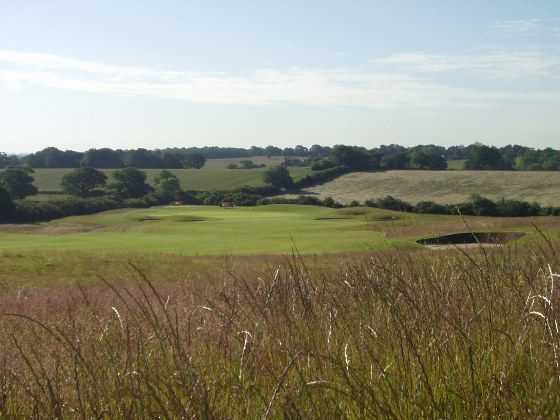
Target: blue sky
pixel 183 73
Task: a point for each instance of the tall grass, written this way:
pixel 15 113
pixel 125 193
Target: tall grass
pixel 394 335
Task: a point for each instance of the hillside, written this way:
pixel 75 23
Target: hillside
pixel 443 186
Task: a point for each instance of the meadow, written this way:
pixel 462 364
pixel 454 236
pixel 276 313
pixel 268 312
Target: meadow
pixel 445 187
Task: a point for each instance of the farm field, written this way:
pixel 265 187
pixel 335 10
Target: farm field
pixel 265 160
pixel 211 178
pixel 445 187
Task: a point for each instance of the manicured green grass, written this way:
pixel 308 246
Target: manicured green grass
pixel 211 178
pixel 205 230
pixel 444 187
pixel 263 230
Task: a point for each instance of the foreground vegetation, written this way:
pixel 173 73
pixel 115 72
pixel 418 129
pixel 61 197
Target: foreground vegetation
pixel 392 335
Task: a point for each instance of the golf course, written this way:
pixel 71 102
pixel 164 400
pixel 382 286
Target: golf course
pixel 262 230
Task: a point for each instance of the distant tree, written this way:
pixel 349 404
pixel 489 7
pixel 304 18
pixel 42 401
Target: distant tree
pixel 102 159
pixel 319 151
pixel 456 153
pixel 194 160
pixel 129 183
pixel 273 151
pixel 171 161
pixel 167 185
pixel 18 182
pixel 426 157
pixel 51 157
pixel 288 151
pixel 6 205
pixel 83 182
pixel 143 158
pixel 322 164
pixel 482 206
pixel 511 153
pixel 485 158
pixel 279 177
pixel 4 160
pixel 301 150
pixel 399 160
pixel 538 160
pixel 352 157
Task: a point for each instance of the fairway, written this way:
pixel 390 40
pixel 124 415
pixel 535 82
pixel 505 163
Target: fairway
pixel 273 229
pixel 445 187
pixel 211 178
pixel 202 230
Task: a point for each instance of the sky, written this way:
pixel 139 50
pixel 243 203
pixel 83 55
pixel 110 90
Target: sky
pixel 132 73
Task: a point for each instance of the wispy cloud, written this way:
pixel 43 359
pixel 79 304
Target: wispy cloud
pixel 535 27
pixel 523 26
pixel 502 65
pixel 312 87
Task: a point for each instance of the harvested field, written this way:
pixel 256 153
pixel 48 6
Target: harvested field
pixel 444 187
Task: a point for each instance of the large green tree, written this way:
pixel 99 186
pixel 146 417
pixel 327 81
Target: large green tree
pixel 83 182
pixel 129 183
pixel 485 158
pixel 167 185
pixel 428 157
pixel 194 160
pixel 6 205
pixel 352 157
pixel 102 158
pixel 279 177
pixel 18 182
pixel 5 160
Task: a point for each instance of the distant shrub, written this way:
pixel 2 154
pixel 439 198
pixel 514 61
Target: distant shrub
pixel 320 177
pixel 431 207
pixel 390 203
pixel 322 164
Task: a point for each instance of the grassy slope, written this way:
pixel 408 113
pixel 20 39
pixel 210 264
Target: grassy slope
pixel 444 187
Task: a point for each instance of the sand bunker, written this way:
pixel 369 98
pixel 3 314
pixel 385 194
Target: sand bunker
pixel 468 239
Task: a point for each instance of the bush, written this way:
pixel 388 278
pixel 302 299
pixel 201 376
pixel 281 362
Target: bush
pixel 279 177
pixel 390 203
pixel 7 206
pixel 517 208
pixel 322 164
pixel 320 177
pixel 431 207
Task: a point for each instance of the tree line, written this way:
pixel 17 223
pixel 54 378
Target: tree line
pixel 387 157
